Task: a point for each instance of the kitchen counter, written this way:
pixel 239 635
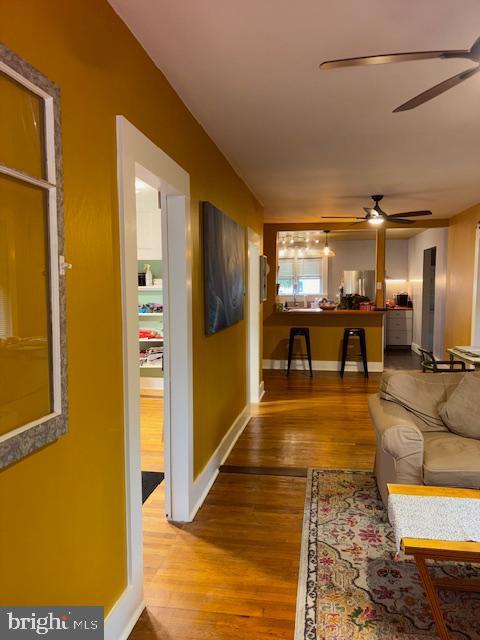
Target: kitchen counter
pixel 326 337
pixel 331 312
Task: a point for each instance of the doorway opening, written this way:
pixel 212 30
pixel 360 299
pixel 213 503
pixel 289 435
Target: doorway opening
pixel 142 165
pixel 255 389
pixel 150 332
pixel 428 298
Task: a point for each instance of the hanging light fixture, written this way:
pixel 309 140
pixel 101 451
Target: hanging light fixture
pixel 327 252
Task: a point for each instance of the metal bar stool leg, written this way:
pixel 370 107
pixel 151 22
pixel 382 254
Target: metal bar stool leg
pixel 363 349
pixel 346 334
pixel 309 352
pixel 290 350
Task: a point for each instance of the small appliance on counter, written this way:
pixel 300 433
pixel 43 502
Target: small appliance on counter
pixel 401 299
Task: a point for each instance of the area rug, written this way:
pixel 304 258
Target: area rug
pixel 351 587
pixel 150 481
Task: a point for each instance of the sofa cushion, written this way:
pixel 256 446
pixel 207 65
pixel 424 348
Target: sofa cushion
pixel 451 460
pixel 420 394
pixel 461 412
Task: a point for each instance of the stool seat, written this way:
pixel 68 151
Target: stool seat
pixel 360 333
pixel 305 333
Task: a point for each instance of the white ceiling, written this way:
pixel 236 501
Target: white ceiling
pixel 311 142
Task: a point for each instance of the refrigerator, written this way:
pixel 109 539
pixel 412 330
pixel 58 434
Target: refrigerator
pixel 361 282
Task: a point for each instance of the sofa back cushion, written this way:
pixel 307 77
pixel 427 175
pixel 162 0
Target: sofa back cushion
pixel 421 394
pixel 461 411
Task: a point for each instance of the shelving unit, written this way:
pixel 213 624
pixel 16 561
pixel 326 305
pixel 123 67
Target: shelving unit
pixel 151 374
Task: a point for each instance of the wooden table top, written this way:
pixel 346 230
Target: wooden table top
pixel 438 548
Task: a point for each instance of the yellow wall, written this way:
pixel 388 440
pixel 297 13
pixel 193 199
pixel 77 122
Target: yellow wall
pixel 460 272
pixel 62 525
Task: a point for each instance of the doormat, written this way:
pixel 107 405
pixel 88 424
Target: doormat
pixel 150 481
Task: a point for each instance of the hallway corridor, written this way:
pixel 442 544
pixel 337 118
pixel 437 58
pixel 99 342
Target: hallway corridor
pixel 233 572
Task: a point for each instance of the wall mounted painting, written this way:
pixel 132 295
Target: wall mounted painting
pixel 224 269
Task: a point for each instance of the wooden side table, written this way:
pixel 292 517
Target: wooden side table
pixel 446 550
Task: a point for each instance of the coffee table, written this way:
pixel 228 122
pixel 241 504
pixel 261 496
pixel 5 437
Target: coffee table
pixel 436 549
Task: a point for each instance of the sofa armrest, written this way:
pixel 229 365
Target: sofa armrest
pixel 399 439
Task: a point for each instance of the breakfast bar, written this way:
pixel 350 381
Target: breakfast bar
pixel 326 337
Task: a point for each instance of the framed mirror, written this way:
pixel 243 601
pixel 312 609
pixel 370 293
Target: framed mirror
pixel 33 381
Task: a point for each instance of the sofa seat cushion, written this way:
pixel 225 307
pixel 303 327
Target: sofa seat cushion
pixel 451 460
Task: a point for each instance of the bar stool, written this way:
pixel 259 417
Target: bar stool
pixel 354 331
pixel 299 331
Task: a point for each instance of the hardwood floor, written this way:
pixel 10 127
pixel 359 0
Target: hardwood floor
pixel 310 422
pixel 151 430
pixel 402 359
pixel 232 573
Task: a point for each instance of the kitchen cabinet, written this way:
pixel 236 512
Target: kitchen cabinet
pixel 399 328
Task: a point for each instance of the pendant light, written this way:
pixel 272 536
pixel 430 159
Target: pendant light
pixel 327 252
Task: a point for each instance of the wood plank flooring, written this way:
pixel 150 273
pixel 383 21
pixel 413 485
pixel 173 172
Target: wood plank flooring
pixel 232 573
pixel 151 430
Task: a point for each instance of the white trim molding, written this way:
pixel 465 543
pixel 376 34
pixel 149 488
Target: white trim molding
pixel 323 365
pixel 261 390
pixel 416 348
pixel 124 614
pixel 209 473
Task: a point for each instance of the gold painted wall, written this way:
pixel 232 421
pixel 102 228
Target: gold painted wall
pixel 326 331
pixel 62 525
pixel 460 271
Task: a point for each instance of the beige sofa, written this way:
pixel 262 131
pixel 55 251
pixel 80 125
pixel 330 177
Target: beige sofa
pixel 413 444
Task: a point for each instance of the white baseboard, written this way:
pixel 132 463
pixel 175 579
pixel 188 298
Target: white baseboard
pixel 151 383
pixel 124 614
pixel 209 473
pixel 416 348
pixel 323 365
pixel 261 390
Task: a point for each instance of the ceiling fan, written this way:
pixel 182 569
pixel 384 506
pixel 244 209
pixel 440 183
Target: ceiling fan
pixel 472 54
pixel 376 216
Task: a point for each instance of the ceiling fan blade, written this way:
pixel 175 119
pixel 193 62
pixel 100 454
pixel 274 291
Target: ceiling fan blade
pixel 360 222
pixel 342 218
pixel 400 220
pixel 393 57
pixel 437 90
pixel 410 214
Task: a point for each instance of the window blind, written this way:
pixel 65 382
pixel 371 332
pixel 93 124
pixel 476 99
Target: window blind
pixel 309 268
pixel 286 269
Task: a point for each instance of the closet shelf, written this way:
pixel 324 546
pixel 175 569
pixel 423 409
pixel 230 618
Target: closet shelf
pixel 150 339
pixel 149 315
pixel 150 288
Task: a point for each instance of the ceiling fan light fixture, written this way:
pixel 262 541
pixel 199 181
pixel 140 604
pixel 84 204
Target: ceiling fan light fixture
pixel 376 220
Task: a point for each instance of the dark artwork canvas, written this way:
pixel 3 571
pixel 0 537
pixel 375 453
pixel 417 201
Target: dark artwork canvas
pixel 224 265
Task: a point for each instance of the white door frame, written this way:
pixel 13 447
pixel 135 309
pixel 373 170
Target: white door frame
pixel 138 156
pixel 253 337
pixel 475 339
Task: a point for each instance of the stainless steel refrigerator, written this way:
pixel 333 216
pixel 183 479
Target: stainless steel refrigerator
pixel 361 282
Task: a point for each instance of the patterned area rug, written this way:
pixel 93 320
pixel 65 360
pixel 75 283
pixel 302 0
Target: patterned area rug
pixel 350 585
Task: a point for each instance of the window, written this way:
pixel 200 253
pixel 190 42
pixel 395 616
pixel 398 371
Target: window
pixel 301 276
pixel 32 308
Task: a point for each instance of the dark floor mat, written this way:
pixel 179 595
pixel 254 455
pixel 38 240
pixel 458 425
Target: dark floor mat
pixel 150 481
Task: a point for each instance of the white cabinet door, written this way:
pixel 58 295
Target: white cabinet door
pixel 149 221
pixel 149 234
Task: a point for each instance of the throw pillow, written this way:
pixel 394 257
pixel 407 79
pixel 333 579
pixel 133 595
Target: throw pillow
pixel 461 412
